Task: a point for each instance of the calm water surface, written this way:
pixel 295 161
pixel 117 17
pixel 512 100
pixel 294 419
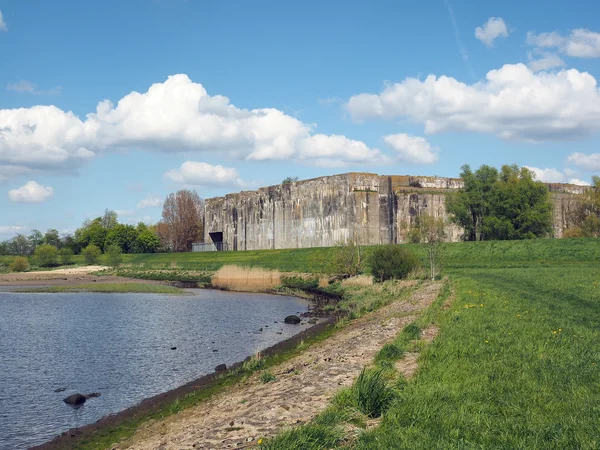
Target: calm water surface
pixel 119 345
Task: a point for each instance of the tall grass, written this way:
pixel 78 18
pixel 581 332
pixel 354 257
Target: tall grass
pixel 246 279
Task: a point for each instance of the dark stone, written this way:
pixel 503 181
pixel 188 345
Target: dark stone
pixel 173 348
pixel 60 390
pixel 215 351
pixel 221 368
pixel 292 320
pixel 260 329
pixel 93 395
pixel 75 399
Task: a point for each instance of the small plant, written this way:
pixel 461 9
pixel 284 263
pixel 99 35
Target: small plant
pixel 411 331
pixel 114 257
pixel 253 364
pixel 66 255
pixel 175 407
pixel 267 377
pixel 390 262
pixel 91 254
pixel 307 437
pixel 373 395
pixel 389 352
pixel 20 264
pixel 46 255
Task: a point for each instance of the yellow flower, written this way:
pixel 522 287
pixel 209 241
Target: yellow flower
pixel 554 332
pixel 481 304
pixel 260 441
pixel 486 341
pixel 560 329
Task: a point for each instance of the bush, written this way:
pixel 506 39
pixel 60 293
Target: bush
pixel 300 283
pixel 267 377
pixel 373 395
pixel 390 262
pixel 66 255
pixel 389 352
pixel 19 264
pixel 114 257
pixel 91 254
pixel 46 255
pixel 307 437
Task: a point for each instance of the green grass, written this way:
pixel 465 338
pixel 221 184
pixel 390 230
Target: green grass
pixel 110 288
pixel 515 366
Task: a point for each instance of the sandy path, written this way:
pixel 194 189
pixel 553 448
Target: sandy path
pixel 238 417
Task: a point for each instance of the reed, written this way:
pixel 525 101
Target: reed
pixel 358 280
pixel 246 279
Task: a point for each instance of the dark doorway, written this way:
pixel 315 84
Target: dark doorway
pixel 216 236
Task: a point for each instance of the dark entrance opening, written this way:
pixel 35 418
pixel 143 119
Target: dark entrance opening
pixel 216 237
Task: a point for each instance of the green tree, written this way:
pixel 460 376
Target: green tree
pixel 349 258
pixel 124 236
pixel 51 237
pixel 19 264
pixel 471 204
pixel 46 255
pixel 109 219
pixel 91 254
pixel 35 238
pixel 114 256
pixel 431 232
pixel 66 255
pixel 509 204
pixel 288 180
pixel 392 262
pixel 20 245
pixel 147 241
pixel 92 232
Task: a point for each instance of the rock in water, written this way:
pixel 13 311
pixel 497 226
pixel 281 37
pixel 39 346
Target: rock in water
pixel 221 368
pixel 75 399
pixel 292 320
pixel 92 395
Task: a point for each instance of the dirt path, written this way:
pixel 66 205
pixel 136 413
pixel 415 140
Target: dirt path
pixel 240 416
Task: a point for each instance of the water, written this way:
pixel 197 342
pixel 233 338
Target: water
pixel 119 345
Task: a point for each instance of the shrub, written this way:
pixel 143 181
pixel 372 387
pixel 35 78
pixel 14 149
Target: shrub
pixel 66 255
pixel 373 395
pixel 307 437
pixel 392 262
pixel 91 254
pixel 389 352
pixel 19 264
pixel 304 284
pixel 114 257
pixel 267 377
pixel 46 255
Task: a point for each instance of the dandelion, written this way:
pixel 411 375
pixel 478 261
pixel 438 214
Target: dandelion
pixel 486 341
pixel 260 441
pixel 554 332
pixel 481 304
pixel 560 329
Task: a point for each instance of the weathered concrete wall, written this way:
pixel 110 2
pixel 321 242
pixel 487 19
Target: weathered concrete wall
pixel 324 211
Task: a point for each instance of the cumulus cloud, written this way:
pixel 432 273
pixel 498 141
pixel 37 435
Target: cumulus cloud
pixel 552 175
pixel 338 151
pixel 513 103
pixel 544 61
pixel 3 26
pixel 491 30
pixel 175 116
pixel 412 149
pixel 196 173
pixel 151 201
pixel 589 162
pixel 580 43
pixel 31 192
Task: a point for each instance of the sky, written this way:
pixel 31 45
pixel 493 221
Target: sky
pixel 115 104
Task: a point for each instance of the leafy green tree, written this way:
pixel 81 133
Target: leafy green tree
pixel 109 219
pixel 91 254
pixel 92 232
pixel 431 232
pixel 509 204
pixel 288 180
pixel 20 245
pixel 124 236
pixel 46 255
pixel 471 204
pixel 66 255
pixel 147 242
pixel 392 262
pixel 114 256
pixel 51 237
pixel 35 238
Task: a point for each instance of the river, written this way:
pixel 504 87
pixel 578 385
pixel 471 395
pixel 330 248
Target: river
pixel 120 345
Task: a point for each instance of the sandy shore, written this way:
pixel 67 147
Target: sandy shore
pixel 65 277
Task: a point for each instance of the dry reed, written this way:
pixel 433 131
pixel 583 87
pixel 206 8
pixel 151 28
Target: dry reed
pixel 246 279
pixel 358 280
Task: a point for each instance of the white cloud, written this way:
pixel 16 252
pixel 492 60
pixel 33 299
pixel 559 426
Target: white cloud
pixel 548 175
pixel 338 151
pixel 581 43
pixel 3 26
pixel 21 86
pixel 124 212
pixel 589 162
pixel 11 229
pixel 412 149
pixel 196 173
pixel 151 201
pixel 491 30
pixel 513 103
pixel 552 175
pixel 31 192
pixel 544 61
pixel 175 116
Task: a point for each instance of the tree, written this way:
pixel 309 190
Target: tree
pixel 182 220
pixel 52 238
pixel 46 255
pixel 35 238
pixel 92 232
pixel 586 217
pixel 348 259
pixel 288 180
pixel 471 204
pixel 20 245
pixel 114 256
pixel 147 242
pixel 123 236
pixel 509 204
pixel 432 234
pixel 91 254
pixel 392 262
pixel 66 255
pixel 109 219
pixel 19 264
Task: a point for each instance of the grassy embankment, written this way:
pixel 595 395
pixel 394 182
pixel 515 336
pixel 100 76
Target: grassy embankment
pixel 120 288
pixel 516 363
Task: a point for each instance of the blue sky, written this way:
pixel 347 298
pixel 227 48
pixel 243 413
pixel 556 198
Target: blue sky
pixel 261 90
